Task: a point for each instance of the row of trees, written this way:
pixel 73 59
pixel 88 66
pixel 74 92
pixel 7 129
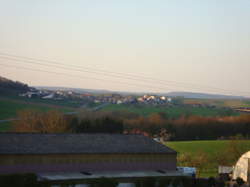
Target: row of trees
pixel 184 128
pixel 192 127
pixel 56 122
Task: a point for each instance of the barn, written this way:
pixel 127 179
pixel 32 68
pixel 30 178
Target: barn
pixel 82 156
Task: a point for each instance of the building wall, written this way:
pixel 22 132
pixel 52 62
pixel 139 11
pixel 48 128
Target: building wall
pixel 85 162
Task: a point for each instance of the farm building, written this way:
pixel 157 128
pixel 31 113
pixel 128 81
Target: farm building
pixel 242 167
pixel 58 157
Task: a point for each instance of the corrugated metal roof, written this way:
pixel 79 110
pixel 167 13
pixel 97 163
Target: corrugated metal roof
pixel 60 176
pixel 35 143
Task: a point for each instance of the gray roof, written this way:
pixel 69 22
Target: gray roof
pixel 32 143
pixel 60 176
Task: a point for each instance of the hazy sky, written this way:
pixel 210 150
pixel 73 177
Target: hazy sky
pixel 168 45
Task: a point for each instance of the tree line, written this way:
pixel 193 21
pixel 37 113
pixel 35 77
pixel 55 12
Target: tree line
pixel 192 127
pixel 56 122
pixel 157 124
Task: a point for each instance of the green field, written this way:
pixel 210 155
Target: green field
pixel 211 148
pixel 10 107
pixel 171 111
pixel 232 103
pixel 6 126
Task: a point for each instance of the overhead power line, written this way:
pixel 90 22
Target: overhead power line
pixel 72 69
pixel 80 70
pixel 67 67
pixel 81 77
pixel 86 71
pixel 117 74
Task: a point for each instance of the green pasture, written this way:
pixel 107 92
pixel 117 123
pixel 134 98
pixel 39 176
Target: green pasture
pixel 171 111
pixel 72 103
pixel 211 148
pixel 10 107
pixel 232 103
pixel 6 126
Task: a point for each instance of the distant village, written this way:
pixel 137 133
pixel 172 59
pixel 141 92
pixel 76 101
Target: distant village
pixel 110 98
pixel 97 98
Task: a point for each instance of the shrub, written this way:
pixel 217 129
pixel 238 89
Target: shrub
pixel 18 180
pixel 104 182
pixel 240 181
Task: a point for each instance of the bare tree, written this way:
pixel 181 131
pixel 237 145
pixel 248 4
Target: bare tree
pixel 34 121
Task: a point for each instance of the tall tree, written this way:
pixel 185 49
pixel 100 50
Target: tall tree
pixel 49 122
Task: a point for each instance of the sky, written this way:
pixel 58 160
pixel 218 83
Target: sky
pixel 132 45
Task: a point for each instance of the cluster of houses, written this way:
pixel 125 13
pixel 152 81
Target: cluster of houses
pixel 48 94
pixel 97 98
pixel 114 99
pixel 146 99
pixel 152 99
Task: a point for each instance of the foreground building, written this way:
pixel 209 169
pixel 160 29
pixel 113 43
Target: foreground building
pixel 242 167
pixel 75 157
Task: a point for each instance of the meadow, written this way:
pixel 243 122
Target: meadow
pixel 211 148
pixel 232 103
pixel 9 107
pixel 5 126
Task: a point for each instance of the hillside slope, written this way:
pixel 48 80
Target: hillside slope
pixel 195 95
pixel 9 87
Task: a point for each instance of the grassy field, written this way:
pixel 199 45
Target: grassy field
pixel 10 107
pixel 211 148
pixel 237 103
pixel 6 126
pixel 232 103
pixel 173 111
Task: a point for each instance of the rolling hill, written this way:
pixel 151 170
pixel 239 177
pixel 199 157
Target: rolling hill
pixel 196 95
pixel 9 87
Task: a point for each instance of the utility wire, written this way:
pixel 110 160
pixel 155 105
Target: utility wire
pixel 28 60
pixel 72 69
pixel 80 70
pixel 124 75
pixel 105 73
pixel 81 77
